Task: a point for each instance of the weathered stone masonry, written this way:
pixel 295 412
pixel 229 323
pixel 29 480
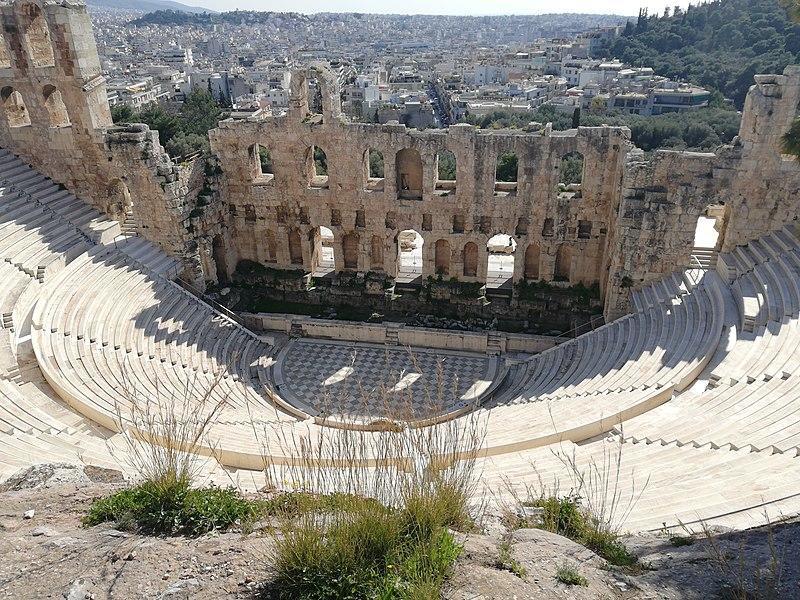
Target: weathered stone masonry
pixel 632 220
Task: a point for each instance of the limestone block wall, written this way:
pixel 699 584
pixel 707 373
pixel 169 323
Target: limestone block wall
pixel 275 218
pixel 56 115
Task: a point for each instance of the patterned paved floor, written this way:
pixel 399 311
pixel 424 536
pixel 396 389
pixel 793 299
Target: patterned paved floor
pixel 375 381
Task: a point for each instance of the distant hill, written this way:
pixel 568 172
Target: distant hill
pixel 719 45
pixel 147 5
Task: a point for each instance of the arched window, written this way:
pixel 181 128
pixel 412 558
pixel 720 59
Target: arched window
pixel 445 172
pixel 324 261
pixel 260 163
pixel 500 261
pixel 374 166
pixel 56 109
pixel 376 254
pixel 470 259
pixel 570 175
pixel 37 37
pixel 409 256
pixel 506 174
pixel 442 257
pixel 220 254
pixel 563 263
pixel 532 255
pixel 350 250
pixel 408 165
pixel 317 167
pixel 295 248
pixel 14 107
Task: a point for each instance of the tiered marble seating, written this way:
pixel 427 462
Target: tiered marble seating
pixel 667 343
pixel 109 326
pixel 753 398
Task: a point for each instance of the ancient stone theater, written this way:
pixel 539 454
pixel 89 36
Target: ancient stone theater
pixel 669 284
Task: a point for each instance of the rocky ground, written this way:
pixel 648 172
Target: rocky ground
pixel 46 553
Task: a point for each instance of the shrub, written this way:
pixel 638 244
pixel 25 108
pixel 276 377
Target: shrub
pixel 371 511
pixel 174 509
pixel 569 575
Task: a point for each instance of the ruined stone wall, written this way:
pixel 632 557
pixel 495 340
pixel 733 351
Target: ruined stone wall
pixel 56 115
pixel 269 213
pixel 751 184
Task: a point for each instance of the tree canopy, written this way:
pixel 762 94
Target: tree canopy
pixel 720 45
pixel 183 130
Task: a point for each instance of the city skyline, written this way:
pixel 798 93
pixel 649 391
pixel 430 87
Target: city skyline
pixel 445 7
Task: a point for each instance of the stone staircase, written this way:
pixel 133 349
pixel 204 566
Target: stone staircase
pixel 706 257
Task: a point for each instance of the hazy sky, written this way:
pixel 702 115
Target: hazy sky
pixel 443 7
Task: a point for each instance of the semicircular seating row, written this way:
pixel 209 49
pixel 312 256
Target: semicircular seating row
pixel 104 322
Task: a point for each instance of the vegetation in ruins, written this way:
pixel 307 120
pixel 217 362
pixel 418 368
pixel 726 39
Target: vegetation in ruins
pixel 592 511
pixel 569 575
pixel 162 438
pixel 183 130
pixel 389 533
pixel 703 129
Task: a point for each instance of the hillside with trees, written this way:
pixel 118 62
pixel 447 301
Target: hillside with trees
pixel 720 45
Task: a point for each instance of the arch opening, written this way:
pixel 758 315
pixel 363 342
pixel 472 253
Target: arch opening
pixel 408 166
pixel 375 169
pixel 220 255
pixel 324 258
pixel 272 247
pixel 56 109
pixel 570 174
pixel 409 256
pixel 37 37
pixel 261 169
pixel 14 107
pixel 506 174
pixel 709 234
pixel 119 205
pixel 501 249
pixel 317 167
pixel 376 254
pixel 445 172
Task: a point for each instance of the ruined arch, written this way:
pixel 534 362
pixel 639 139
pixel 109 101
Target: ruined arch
pixel 441 257
pixel 14 107
pixel 409 255
pixel 501 249
pixel 36 35
pixel 470 259
pixel 532 257
pixel 324 258
pixel 563 269
pixel 376 253
pixel 408 166
pixel 56 109
pixel 295 247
